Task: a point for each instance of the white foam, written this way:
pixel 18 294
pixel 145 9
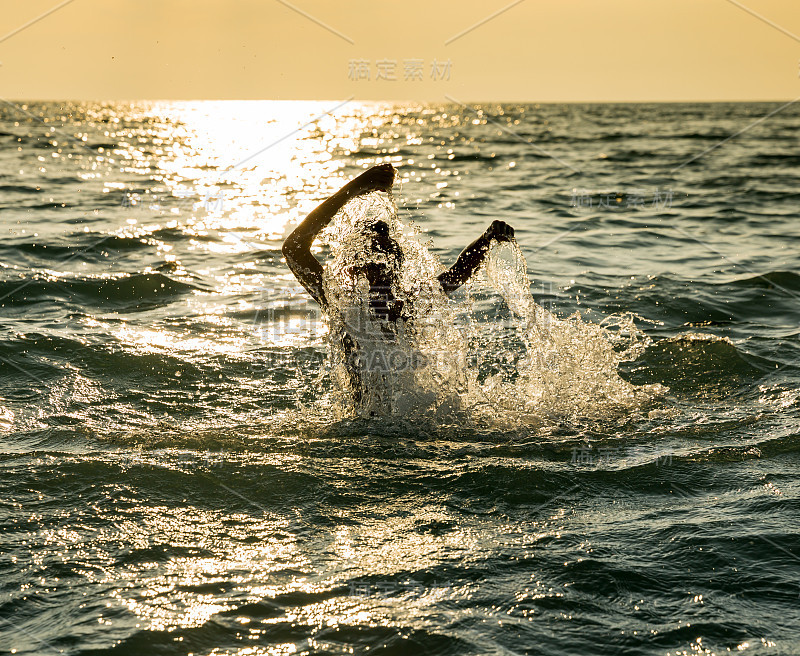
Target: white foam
pixel 421 369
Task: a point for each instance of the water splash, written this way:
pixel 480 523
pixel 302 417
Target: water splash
pixel 425 365
pixel 416 364
pixel 571 366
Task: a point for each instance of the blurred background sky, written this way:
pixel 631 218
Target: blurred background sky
pixel 534 50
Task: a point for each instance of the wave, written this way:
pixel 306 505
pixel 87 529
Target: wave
pixel 782 160
pixel 87 245
pixel 697 365
pixel 20 189
pixel 129 292
pixel 781 280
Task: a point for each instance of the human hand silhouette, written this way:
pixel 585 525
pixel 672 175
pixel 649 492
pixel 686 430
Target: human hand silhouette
pixel 378 178
pixel 499 231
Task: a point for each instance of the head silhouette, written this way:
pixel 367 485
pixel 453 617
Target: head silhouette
pixel 381 260
pixel 382 242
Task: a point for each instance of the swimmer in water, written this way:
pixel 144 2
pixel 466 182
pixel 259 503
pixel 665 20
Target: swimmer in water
pixel 383 272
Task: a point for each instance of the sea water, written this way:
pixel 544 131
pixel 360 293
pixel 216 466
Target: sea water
pixel 610 465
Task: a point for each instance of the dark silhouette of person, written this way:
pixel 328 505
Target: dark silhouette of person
pixel 382 273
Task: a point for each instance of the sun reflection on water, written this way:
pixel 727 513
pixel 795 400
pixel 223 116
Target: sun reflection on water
pixel 231 179
pixel 268 158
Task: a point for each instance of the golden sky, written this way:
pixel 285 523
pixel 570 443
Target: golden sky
pixel 535 50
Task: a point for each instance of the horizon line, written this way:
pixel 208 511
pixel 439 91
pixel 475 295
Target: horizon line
pixel 401 100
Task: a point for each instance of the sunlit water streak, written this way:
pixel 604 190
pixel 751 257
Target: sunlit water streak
pixel 178 473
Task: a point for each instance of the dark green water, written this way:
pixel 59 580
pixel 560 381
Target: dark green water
pixel 173 478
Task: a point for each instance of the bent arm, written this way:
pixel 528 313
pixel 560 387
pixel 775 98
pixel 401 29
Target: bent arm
pixel 297 247
pixel 473 256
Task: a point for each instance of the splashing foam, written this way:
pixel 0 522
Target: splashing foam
pixel 570 368
pixel 422 366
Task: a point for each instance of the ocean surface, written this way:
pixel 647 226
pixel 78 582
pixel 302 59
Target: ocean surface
pixel 177 478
